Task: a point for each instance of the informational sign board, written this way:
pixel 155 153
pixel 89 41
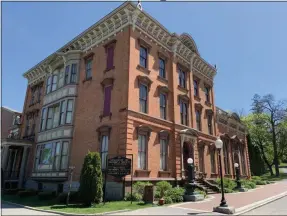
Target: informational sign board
pixel 119 166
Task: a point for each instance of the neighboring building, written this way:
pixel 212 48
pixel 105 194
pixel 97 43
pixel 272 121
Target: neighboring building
pixel 14 152
pixel 128 86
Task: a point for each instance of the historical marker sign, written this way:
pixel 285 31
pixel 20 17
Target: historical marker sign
pixel 119 166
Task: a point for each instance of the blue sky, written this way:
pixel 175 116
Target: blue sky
pixel 247 42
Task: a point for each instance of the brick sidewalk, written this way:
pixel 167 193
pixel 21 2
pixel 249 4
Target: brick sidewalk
pixel 239 200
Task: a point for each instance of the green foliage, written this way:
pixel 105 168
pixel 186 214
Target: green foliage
pixel 13 191
pixel 162 187
pixel 247 184
pixel 228 190
pixel 62 197
pixel 258 180
pixel 227 183
pixel 27 193
pixel 157 195
pixel 201 192
pixel 136 197
pixel 46 195
pixel 91 183
pixel 167 200
pixel 176 194
pixel 139 186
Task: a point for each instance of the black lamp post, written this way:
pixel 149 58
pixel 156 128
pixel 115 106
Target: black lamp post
pixel 218 145
pixel 190 170
pixel 237 173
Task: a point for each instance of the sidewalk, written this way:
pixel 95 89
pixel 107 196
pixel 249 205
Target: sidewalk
pixel 237 200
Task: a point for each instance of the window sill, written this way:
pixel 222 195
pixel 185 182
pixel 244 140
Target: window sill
pixel 109 69
pixel 182 89
pixel 228 175
pixel 207 103
pixel 143 171
pixel 87 79
pixel 197 98
pixel 144 70
pixel 164 173
pixel 164 80
pixel 103 116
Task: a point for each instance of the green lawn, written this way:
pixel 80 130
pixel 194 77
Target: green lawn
pixel 74 208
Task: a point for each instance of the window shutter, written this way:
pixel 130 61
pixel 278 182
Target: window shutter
pixel 110 57
pixel 107 100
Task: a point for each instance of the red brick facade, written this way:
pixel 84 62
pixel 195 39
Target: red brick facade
pixel 125 123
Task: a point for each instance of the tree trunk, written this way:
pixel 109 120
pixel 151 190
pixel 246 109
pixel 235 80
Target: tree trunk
pixel 265 159
pixel 275 150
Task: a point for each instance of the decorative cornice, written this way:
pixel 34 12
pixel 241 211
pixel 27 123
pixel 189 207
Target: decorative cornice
pixel 182 46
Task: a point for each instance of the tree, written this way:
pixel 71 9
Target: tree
pixel 260 138
pixel 91 182
pixel 272 115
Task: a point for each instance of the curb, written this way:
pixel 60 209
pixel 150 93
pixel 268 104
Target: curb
pixel 63 213
pixel 258 204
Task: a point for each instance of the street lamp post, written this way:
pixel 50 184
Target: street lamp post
pixel 223 207
pixel 71 170
pixel 237 170
pixel 190 195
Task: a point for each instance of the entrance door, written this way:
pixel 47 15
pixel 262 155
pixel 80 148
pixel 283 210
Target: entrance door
pixel 187 153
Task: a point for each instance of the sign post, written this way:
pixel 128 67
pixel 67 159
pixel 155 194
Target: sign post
pixel 118 167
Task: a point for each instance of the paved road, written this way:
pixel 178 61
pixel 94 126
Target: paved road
pixel 277 207
pixel 14 210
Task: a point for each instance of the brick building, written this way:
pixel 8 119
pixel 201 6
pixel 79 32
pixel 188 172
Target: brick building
pixel 124 86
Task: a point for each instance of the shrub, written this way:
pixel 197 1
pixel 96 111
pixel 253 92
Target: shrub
pixel 167 200
pixel 256 178
pixel 46 195
pixel 13 191
pixel 91 183
pixel 27 193
pixel 248 184
pixel 62 197
pixel 136 197
pixel 176 194
pixel 227 183
pixel 228 190
pixel 157 195
pixel 162 187
pixel 201 192
pixel 139 186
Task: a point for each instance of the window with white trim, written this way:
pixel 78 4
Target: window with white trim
pixel 142 139
pixel 104 150
pixel 163 154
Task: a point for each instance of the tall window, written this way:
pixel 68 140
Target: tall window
pixel 104 150
pixel 201 159
pixel 183 113
pixel 143 98
pixel 162 106
pixel 57 156
pixel 209 124
pixel 39 94
pixel 226 158
pixel 162 68
pixel 69 112
pixel 195 87
pixel 142 152
pixel 64 158
pixel 33 96
pixel 33 127
pixel 56 113
pixel 212 160
pixel 143 57
pixel 163 154
pixel 43 118
pixel 73 73
pixel 89 68
pixel 49 122
pixel 54 82
pixel 207 96
pixel 107 100
pixel 198 120
pixel 27 126
pixel 62 112
pixel 243 165
pixel 67 70
pixel 110 57
pixel 48 86
pixel 182 78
